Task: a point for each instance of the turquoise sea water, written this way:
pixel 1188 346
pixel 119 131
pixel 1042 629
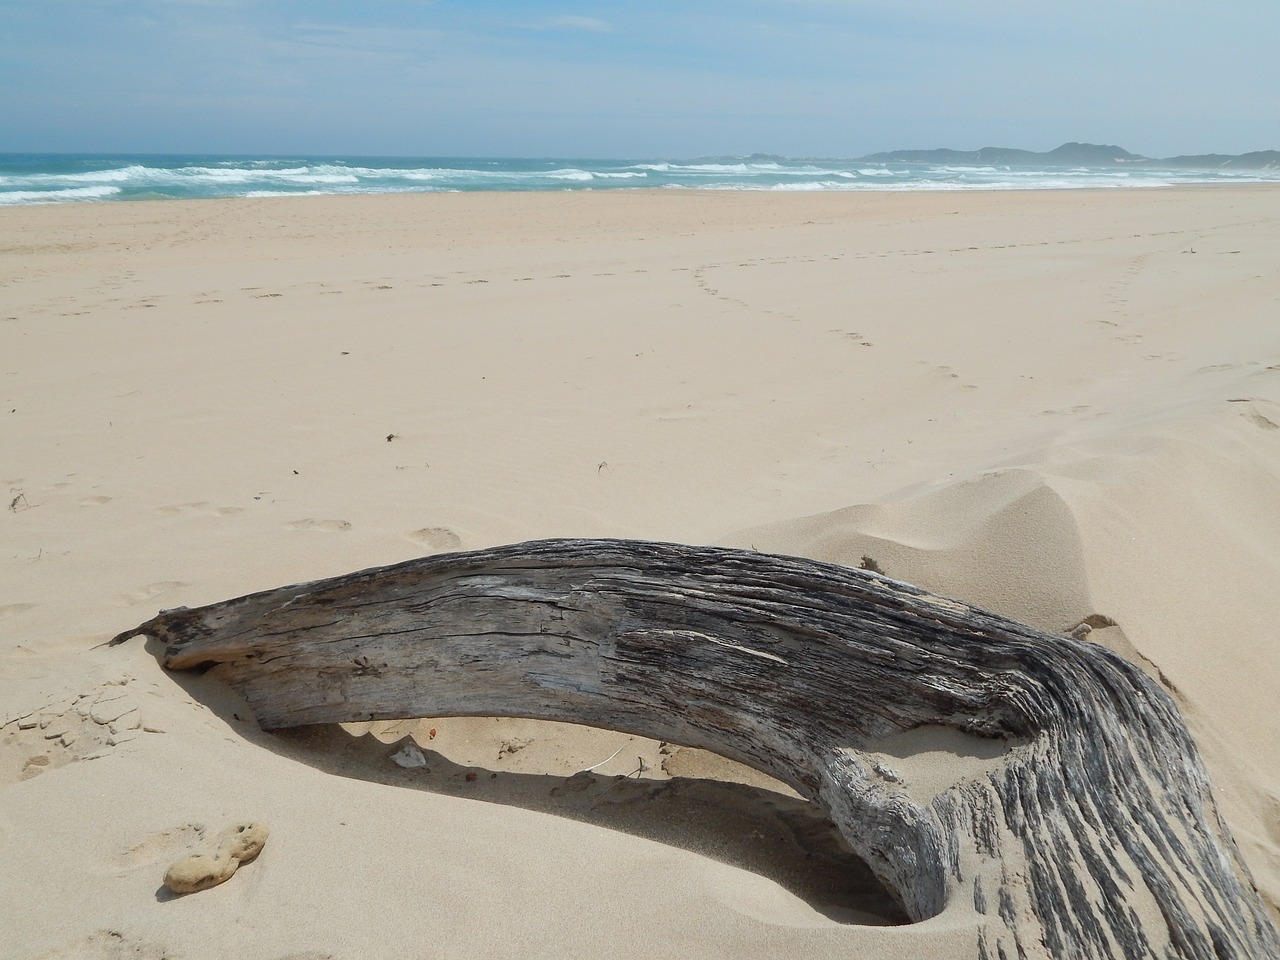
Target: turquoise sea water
pixel 62 178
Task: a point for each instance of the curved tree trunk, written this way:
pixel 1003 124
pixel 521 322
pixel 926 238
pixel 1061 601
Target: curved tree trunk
pixel 1089 831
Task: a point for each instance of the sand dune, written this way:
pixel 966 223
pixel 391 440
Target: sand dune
pixel 1062 406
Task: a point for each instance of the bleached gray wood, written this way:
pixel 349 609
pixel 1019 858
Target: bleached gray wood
pixel 1088 830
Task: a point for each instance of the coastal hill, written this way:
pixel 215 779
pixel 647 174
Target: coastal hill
pixel 1076 155
pixel 1257 160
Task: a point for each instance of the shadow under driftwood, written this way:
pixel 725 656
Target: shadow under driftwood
pixel 784 839
pixel 781 838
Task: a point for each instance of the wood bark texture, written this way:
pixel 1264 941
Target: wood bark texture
pixel 1092 833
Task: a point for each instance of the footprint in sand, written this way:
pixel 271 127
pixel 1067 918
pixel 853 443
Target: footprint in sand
pixel 107 945
pixel 1064 411
pixel 149 592
pixel 439 539
pixel 94 501
pixel 201 505
pixel 326 526
pixel 13 609
pixel 180 507
pixel 160 845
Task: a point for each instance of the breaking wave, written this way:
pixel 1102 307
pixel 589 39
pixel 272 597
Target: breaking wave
pixel 28 179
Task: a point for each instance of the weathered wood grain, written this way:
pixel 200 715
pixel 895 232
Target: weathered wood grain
pixel 1077 819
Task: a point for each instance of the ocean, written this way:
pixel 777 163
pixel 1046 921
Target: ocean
pixel 71 178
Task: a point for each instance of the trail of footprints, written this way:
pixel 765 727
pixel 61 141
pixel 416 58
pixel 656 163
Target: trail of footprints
pixel 384 283
pixel 432 539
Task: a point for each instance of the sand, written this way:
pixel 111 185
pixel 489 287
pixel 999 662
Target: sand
pixel 1063 406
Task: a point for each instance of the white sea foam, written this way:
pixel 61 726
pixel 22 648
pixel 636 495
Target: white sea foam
pixel 57 196
pixel 971 170
pixel 68 179
pixel 733 168
pixel 44 180
pixel 235 175
pixel 814 185
pixel 323 178
pixel 98 176
pixel 258 194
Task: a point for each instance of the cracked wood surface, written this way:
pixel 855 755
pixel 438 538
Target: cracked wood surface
pixel 1092 834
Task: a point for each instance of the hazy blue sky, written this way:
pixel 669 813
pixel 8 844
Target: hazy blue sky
pixel 636 78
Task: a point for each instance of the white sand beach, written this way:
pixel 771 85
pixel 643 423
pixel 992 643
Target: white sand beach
pixel 1063 406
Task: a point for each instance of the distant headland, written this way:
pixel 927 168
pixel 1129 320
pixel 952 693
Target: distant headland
pixel 1080 155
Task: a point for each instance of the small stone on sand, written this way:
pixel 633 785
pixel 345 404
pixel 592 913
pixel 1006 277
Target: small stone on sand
pixel 237 844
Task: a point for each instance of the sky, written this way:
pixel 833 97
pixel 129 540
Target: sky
pixel 635 78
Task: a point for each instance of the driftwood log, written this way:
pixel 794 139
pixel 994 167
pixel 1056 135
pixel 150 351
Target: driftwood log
pixel 1094 834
